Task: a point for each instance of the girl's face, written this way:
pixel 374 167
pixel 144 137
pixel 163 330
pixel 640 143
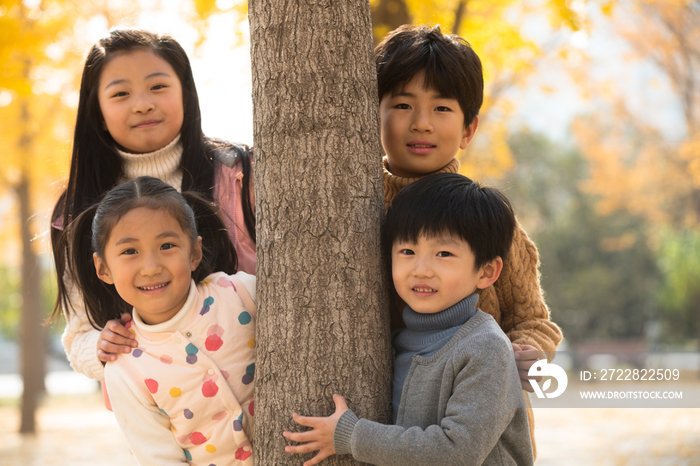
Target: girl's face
pixel 150 259
pixel 140 96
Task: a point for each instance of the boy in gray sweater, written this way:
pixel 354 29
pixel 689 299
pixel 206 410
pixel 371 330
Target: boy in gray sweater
pixel 456 394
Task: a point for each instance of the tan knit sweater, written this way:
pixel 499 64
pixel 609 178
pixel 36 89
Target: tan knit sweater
pixel 515 299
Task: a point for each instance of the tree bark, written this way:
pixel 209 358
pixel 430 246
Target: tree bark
pixel 323 322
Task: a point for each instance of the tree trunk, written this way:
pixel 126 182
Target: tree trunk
pixel 32 332
pixel 387 15
pixel 323 324
pixel 459 16
pixel 32 339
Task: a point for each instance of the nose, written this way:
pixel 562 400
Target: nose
pixel 422 267
pixel 421 121
pixel 143 104
pixel 150 266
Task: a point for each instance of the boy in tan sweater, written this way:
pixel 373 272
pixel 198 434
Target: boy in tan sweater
pixel 430 90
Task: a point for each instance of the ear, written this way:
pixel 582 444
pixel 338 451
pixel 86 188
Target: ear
pixel 102 270
pixel 489 273
pixel 196 254
pixel 469 133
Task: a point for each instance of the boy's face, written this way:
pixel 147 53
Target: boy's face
pixel 433 274
pixel 422 130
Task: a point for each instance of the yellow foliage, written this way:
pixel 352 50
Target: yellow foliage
pixel 632 167
pixel 619 243
pixel 639 175
pixel 34 139
pixel 690 152
pixel 489 156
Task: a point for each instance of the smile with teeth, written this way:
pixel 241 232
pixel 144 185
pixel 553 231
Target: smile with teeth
pixel 149 288
pixel 421 145
pixel 424 290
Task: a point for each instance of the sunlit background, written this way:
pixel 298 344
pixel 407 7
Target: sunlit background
pixel 591 125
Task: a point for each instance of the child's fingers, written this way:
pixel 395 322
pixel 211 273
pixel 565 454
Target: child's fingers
pixel 523 375
pixel 306 421
pixel 303 448
pixel 340 404
pixel 530 354
pixel 318 458
pixel 525 381
pixel 116 328
pixel 106 357
pixel 525 352
pixel 525 365
pixel 106 348
pixel 308 436
pixel 526 385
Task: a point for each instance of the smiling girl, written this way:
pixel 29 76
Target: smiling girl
pixel 138 114
pixel 185 395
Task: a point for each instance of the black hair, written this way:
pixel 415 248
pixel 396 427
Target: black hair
pixel 452 204
pixel 450 65
pixel 97 167
pixel 90 232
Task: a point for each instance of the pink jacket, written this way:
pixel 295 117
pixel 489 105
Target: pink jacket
pixel 227 191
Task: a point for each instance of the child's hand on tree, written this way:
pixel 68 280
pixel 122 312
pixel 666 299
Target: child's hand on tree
pixel 525 357
pixel 115 338
pixel 320 437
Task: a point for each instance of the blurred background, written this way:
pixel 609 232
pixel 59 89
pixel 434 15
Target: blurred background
pixel 591 125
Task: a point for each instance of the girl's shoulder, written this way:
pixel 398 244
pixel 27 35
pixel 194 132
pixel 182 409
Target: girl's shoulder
pixel 229 154
pixel 233 282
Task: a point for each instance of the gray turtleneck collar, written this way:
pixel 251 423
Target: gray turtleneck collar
pixel 424 335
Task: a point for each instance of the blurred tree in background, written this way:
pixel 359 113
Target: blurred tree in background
pixel 635 168
pixel 28 145
pixel 591 264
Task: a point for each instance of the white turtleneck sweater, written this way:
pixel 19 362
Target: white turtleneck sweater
pixel 163 163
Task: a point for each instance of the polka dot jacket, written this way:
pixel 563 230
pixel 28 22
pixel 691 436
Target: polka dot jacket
pixel 192 375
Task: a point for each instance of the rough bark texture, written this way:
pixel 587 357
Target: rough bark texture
pixel 323 324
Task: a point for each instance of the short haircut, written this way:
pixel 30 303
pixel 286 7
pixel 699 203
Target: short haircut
pixel 452 204
pixel 450 64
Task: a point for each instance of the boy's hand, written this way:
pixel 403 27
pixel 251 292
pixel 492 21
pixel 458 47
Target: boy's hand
pixel 320 437
pixel 525 357
pixel 115 338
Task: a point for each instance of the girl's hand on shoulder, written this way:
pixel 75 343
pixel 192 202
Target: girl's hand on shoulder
pixel 115 338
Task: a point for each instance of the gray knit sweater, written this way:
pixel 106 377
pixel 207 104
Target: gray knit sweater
pixel 460 406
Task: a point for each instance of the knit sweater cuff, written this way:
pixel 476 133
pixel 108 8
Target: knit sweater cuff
pixel 90 364
pixel 342 437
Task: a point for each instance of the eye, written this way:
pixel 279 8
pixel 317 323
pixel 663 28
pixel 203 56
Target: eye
pixel 403 106
pixel 167 246
pixel 442 108
pixel 129 252
pixel 407 252
pixel 444 254
pixel 158 87
pixel 120 94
